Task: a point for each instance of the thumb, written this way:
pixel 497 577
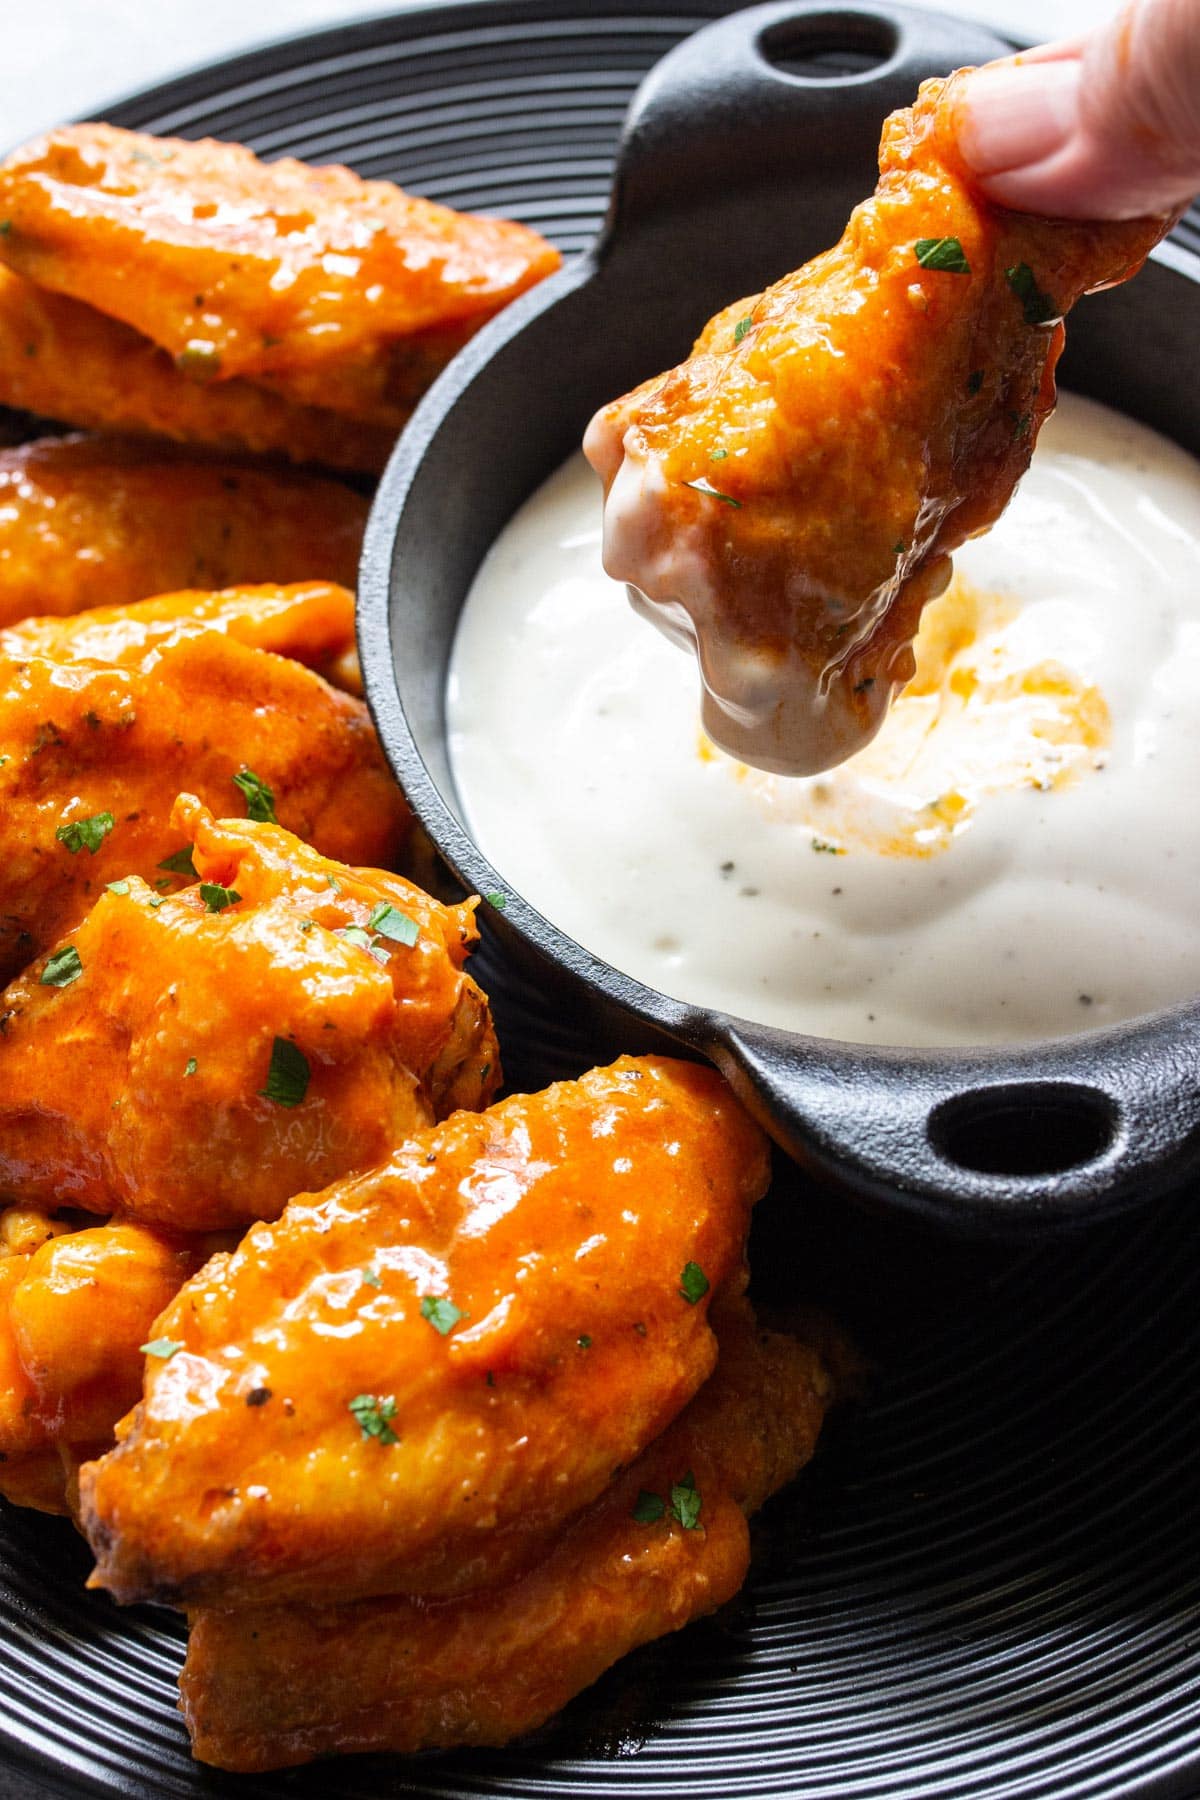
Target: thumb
pixel 1106 127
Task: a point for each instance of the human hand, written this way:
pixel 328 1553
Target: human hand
pixel 1105 126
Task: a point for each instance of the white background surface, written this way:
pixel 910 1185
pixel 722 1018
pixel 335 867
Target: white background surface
pixel 63 59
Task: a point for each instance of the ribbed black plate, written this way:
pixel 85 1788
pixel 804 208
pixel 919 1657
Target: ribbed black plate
pixel 989 1585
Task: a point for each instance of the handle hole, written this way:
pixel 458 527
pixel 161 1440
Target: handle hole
pixel 827 47
pixel 1042 1129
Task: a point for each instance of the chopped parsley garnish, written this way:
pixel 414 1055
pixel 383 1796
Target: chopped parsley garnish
pixel 1020 423
pixel 62 968
pixel 203 360
pixel 718 455
pixel 287 1078
pixel 258 1396
pixel 497 899
pixel 260 800
pixel 945 253
pixel 216 898
pixel 899 547
pixel 391 923
pixel 162 884
pixel 119 887
pixel 648 1508
pixel 824 848
pixel 443 1315
pixel 685 1502
pixel 868 681
pixel 742 327
pixel 1039 307
pixel 974 381
pixel 706 487
pixel 373 1278
pixel 86 834
pixel 164 1348
pixel 192 1066
pixel 584 1341
pixel 693 1283
pixel 374 1417
pixel 362 940
pixel 5 227
pixel 180 862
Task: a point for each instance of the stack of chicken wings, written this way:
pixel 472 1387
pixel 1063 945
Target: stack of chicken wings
pixel 425 1408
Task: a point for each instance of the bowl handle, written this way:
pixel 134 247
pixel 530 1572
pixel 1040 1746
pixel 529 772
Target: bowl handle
pixel 1049 1134
pixel 728 111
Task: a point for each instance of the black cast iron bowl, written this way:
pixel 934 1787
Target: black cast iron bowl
pixel 740 159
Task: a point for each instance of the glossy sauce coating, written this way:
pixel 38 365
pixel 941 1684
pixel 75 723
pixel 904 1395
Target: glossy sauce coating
pixel 62 359
pixel 784 501
pixel 96 521
pixel 557 1227
pixel 269 1687
pixel 120 709
pixel 320 285
pixel 75 1309
pixel 140 1087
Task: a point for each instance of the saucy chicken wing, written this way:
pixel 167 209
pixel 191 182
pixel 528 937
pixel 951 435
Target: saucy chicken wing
pixel 64 360
pixel 105 521
pixel 412 1380
pixel 193 1060
pixel 785 500
pixel 75 1309
pixel 312 283
pixel 106 717
pixel 664 1544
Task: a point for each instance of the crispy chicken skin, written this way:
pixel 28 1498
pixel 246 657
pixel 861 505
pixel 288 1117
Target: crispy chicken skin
pixel 75 1309
pixel 62 359
pixel 118 710
pixel 96 521
pixel 785 500
pixel 268 1687
pixel 140 1087
pixel 413 1379
pixel 311 282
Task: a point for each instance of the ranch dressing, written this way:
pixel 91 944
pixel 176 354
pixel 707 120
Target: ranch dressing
pixel 1016 855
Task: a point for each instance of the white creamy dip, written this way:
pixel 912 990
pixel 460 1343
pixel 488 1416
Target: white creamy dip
pixel 1016 855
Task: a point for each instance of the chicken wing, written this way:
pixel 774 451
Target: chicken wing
pixel 665 1543
pixel 106 717
pixel 105 521
pixel 192 1061
pixel 409 1382
pixel 323 288
pixel 785 500
pixel 64 360
pixel 75 1309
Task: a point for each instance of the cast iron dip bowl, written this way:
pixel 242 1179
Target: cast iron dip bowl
pixel 737 163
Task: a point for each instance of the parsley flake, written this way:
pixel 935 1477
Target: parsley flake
pixel 391 923
pixel 374 1417
pixel 372 1277
pixel 1039 307
pixel 648 1508
pixel 706 487
pixel 974 381
pixel 685 1502
pixel 288 1076
pixel 199 359
pixel 693 1283
pixel 164 1348
pixel 192 1066
pixel 5 227
pixel 945 253
pixel 824 848
pixel 718 455
pixel 443 1315
pixel 62 968
pixel 497 899
pixel 260 800
pixel 119 887
pixel 180 863
pixel 742 327
pixel 86 834
pixel 584 1341
pixel 216 898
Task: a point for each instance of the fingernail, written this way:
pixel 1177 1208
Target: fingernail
pixel 1015 114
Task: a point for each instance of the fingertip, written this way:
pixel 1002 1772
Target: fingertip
pixel 1015 115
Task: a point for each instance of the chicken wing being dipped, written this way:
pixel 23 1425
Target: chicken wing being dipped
pixel 100 521
pixel 666 1542
pixel 106 717
pixel 412 1380
pixel 64 360
pixel 193 1060
pixel 786 499
pixel 75 1308
pixel 309 282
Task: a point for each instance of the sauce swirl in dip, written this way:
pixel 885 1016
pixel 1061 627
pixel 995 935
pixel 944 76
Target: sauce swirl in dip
pixel 1017 853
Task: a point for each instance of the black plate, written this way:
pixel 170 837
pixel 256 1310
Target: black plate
pixel 989 1585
